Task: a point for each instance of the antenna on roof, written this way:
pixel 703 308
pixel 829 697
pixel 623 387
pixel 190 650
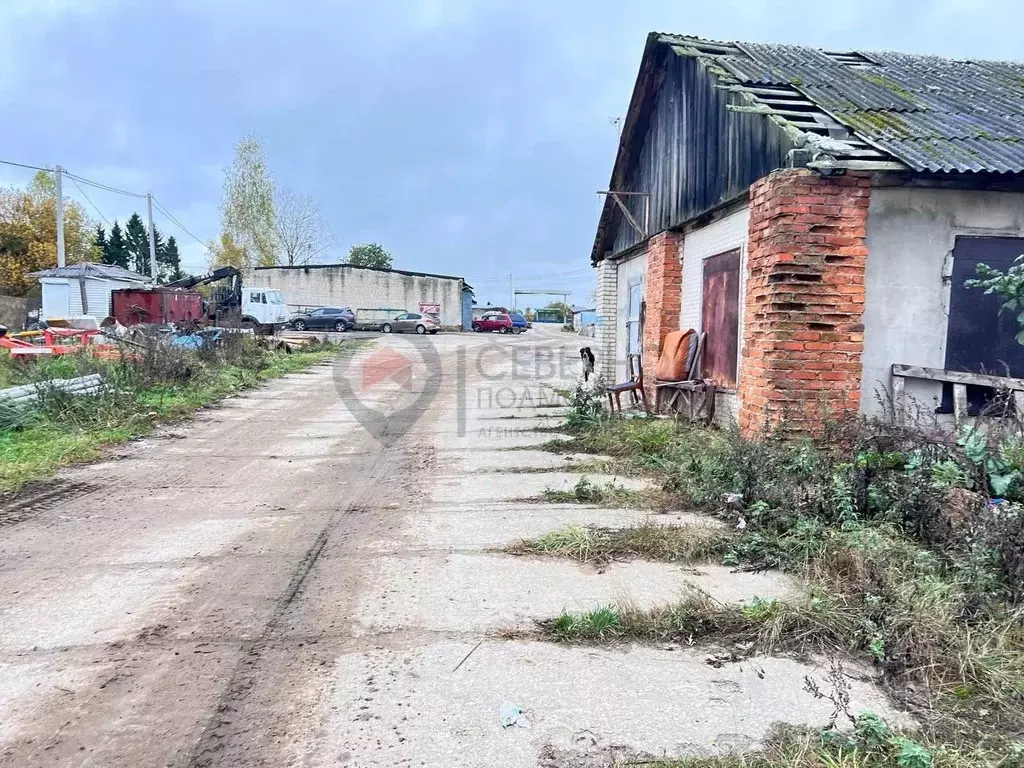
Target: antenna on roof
pixel 617 122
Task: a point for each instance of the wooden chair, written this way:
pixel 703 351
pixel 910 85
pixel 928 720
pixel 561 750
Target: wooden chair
pixel 694 397
pixel 633 386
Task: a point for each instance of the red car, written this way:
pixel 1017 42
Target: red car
pixel 495 321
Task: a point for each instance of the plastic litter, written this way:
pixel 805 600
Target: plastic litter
pixel 513 714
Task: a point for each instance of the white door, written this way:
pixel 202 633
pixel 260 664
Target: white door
pixel 56 299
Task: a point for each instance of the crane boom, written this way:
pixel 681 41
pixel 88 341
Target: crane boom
pixel 192 281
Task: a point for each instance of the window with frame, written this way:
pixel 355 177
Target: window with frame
pixel 979 337
pixel 634 316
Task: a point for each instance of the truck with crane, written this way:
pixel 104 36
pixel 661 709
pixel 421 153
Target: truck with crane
pixel 232 305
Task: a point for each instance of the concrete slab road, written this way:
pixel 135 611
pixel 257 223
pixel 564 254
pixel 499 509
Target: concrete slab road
pixel 308 576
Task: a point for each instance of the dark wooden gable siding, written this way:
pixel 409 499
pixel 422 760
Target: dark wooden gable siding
pixel 687 150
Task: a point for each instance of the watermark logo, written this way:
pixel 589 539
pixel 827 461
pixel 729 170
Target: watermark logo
pixel 389 387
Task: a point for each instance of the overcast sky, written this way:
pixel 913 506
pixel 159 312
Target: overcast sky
pixel 467 136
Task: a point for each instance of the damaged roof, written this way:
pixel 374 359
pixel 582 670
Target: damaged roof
pixel 90 269
pixel 850 109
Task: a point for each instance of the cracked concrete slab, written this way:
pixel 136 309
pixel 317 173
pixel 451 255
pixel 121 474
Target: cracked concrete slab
pixel 395 707
pixel 479 592
pixel 521 485
pixel 492 526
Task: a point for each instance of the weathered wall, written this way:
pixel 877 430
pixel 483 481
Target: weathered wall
pixel 605 334
pixel 726 234
pixel 685 149
pixel 910 237
pixel 662 292
pixel 13 310
pixel 803 332
pixel 359 288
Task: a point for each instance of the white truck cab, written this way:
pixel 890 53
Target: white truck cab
pixel 265 308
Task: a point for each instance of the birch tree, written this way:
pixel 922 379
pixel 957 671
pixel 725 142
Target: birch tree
pixel 247 208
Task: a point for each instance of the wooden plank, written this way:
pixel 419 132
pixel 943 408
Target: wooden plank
pixel 899 400
pixel 957 377
pixel 959 403
pixel 760 91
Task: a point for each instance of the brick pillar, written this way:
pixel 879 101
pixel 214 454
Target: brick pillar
pixel 607 313
pixel 802 331
pixel 662 296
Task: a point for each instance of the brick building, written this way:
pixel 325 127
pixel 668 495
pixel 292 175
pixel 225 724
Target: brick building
pixel 817 213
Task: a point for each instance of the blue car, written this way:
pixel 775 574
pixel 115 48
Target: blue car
pixel 519 323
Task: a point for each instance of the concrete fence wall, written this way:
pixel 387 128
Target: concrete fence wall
pixel 361 288
pixel 13 310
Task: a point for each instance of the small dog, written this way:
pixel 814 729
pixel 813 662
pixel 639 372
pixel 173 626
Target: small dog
pixel 588 362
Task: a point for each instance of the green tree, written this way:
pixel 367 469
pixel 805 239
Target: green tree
pixel 28 233
pixel 100 239
pixel 116 251
pixel 247 208
pixel 369 255
pixel 227 253
pixel 169 261
pixel 137 241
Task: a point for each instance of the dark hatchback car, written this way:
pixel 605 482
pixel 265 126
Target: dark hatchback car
pixel 334 318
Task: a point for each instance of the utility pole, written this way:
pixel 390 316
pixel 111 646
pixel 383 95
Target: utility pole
pixel 511 295
pixel 152 238
pixel 60 216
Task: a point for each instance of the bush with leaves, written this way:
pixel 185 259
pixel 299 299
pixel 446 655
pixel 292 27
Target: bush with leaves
pixel 586 403
pixel 1008 286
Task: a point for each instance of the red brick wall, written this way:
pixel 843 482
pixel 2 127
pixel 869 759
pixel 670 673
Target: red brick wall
pixel 802 330
pixel 662 295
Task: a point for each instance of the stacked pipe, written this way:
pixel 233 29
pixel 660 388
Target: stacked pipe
pixel 29 393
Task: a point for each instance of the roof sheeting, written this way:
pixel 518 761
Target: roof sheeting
pixel 929 113
pixel 100 271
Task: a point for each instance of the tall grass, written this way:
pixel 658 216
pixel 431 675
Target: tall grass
pixel 906 564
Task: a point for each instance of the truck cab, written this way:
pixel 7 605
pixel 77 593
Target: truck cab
pixel 264 308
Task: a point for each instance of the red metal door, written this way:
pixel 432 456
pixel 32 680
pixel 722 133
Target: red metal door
pixel 720 318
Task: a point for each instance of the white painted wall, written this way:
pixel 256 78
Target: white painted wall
pixel 607 314
pixel 62 297
pixel 910 237
pixel 345 286
pixel 725 234
pixel 629 270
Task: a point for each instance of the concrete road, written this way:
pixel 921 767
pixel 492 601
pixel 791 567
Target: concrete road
pixel 307 576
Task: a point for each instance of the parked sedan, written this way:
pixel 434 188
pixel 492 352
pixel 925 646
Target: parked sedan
pixel 411 321
pixel 336 318
pixel 495 321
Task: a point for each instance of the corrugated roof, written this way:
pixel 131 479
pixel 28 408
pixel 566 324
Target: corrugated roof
pixel 926 112
pixel 89 269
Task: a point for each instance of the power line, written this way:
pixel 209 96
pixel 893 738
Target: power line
pixel 183 228
pixel 104 187
pixel 98 211
pixel 22 165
